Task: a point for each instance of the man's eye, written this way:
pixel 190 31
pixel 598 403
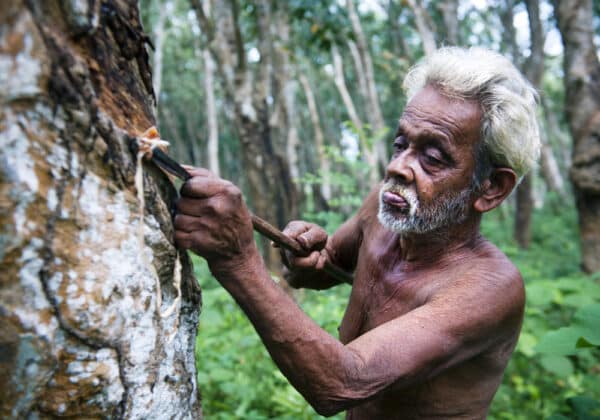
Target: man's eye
pixel 433 158
pixel 400 143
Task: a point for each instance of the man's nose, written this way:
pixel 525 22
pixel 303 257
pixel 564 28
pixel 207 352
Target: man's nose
pixel 400 168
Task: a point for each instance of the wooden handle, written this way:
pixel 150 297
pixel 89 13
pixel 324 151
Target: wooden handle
pixel 284 241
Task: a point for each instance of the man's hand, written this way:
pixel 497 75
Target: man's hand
pixel 212 219
pixel 312 239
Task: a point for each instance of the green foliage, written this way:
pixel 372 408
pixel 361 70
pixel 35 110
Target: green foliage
pixel 554 370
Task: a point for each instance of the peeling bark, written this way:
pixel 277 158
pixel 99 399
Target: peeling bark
pixel 81 334
pixel 582 85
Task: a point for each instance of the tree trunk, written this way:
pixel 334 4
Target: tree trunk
pixel 211 114
pixel 424 26
pixel 340 83
pixel 159 41
pixel 582 85
pixel 374 114
pixel 533 70
pixel 324 166
pixel 523 211
pixel 82 329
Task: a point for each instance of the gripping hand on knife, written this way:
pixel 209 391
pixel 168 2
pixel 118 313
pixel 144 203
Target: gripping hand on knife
pixel 305 271
pixel 213 221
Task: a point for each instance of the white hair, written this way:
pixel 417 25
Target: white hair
pixel 509 128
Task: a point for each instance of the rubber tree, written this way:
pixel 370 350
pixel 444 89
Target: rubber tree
pixel 582 85
pixel 91 320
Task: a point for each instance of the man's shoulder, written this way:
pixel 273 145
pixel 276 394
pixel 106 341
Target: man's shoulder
pixel 486 272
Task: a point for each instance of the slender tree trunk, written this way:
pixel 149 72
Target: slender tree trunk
pixel 324 166
pixel 374 114
pixel 159 41
pixel 359 68
pixel 424 26
pixel 83 331
pixel 340 83
pixel 533 69
pixel 211 114
pixel 582 85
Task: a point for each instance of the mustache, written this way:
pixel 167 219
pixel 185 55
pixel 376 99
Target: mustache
pixel 397 188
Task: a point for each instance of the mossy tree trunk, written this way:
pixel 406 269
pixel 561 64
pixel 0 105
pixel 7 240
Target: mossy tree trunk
pixel 82 331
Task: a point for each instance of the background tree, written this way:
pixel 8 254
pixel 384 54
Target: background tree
pixel 582 85
pixel 248 92
pixel 83 331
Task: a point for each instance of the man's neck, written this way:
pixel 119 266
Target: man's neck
pixel 440 245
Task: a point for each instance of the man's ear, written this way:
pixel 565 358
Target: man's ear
pixel 495 189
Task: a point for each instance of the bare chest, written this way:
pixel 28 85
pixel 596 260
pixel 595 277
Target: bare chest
pixel 383 289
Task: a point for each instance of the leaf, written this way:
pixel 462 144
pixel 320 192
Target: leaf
pixel 560 342
pixel 559 365
pixel 585 408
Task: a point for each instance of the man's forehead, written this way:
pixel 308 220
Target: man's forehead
pixel 431 109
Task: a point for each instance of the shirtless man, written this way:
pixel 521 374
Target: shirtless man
pixel 435 309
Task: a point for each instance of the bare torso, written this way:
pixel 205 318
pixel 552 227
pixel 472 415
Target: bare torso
pixel 385 288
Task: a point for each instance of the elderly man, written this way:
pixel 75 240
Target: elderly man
pixel 435 309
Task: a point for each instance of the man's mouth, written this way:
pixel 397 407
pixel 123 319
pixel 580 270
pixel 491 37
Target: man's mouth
pixel 395 201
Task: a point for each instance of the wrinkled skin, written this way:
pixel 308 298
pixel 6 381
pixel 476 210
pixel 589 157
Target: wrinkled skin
pixel 432 318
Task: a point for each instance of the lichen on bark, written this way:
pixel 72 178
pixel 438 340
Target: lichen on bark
pixel 80 331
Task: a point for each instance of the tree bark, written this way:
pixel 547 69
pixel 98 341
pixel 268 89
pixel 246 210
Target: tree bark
pixel 324 166
pixel 582 85
pixel 533 70
pixel 82 330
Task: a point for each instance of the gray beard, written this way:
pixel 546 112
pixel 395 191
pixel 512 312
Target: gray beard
pixel 447 209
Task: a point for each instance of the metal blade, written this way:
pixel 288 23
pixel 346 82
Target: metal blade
pixel 168 164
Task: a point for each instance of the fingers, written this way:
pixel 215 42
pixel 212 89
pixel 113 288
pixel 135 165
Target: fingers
pixel 202 186
pixel 295 228
pixel 187 224
pixel 314 238
pixel 191 206
pixel 193 171
pixel 183 239
pixel 308 235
